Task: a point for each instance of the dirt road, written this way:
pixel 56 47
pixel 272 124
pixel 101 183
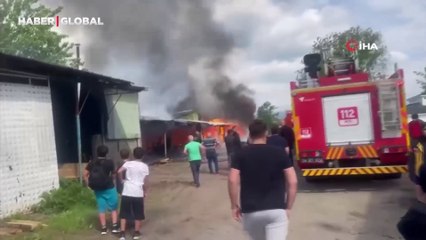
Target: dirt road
pixel 331 210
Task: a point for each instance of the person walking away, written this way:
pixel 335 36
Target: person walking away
pixel 265 176
pixel 276 140
pixel 135 189
pixel 99 175
pixel 194 151
pixel 124 155
pixel 415 131
pixel 237 145
pixel 287 132
pixel 211 144
pixel 228 143
pixel 197 137
pixel 412 225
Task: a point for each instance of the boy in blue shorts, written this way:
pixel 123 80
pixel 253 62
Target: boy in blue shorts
pixel 99 176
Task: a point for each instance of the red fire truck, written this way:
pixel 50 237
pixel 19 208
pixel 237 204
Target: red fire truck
pixel 347 123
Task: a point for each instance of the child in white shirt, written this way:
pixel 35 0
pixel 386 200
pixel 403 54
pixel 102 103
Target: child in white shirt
pixel 134 191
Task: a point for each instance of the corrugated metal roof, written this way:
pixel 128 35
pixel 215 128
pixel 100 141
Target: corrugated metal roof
pixel 416 108
pixel 148 118
pixel 15 63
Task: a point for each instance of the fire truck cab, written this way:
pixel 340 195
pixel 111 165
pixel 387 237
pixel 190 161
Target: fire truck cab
pixel 347 123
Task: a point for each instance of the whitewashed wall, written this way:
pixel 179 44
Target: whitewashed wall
pixel 28 163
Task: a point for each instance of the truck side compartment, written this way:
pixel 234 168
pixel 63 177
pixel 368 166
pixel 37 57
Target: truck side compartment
pixel 347 129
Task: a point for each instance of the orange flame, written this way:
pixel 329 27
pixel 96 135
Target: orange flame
pixel 220 131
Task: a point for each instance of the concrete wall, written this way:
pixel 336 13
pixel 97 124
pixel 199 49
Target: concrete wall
pixel 28 161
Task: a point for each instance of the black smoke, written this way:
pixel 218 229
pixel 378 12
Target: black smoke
pixel 175 48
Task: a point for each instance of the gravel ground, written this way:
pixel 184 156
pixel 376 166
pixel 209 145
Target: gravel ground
pixel 339 209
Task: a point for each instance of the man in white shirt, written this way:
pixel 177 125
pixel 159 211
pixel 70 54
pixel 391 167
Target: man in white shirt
pixel 134 191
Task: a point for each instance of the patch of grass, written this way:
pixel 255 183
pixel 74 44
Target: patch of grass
pixel 70 194
pixel 78 218
pixel 66 210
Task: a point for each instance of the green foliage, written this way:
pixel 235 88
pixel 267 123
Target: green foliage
pixel 79 217
pixel 422 80
pixel 369 60
pixel 70 194
pixel 37 42
pixel 65 224
pixel 268 113
pixel 66 211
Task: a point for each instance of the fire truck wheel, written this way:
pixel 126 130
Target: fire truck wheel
pixel 311 179
pixel 389 176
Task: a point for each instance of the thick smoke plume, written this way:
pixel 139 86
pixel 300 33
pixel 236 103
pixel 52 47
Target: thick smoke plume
pixel 175 49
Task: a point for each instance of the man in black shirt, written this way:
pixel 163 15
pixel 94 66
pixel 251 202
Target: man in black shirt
pixel 233 144
pixel 197 137
pixel 268 185
pixel 412 225
pixel 288 133
pixel 277 140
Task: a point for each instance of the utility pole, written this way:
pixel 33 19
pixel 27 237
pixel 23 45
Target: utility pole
pixel 77 118
pixel 77 49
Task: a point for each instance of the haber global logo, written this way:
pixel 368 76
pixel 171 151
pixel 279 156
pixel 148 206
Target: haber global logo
pixel 353 45
pixel 57 21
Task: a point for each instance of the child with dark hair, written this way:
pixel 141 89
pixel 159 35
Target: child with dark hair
pixel 134 191
pixel 99 176
pixel 413 225
pixel 124 155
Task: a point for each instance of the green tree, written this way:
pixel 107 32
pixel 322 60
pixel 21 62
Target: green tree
pixel 369 60
pixel 268 113
pixel 37 42
pixel 422 80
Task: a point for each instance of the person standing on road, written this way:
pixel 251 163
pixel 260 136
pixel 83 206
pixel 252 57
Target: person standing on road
pixel 134 192
pixel 265 176
pixel 99 175
pixel 412 225
pixel 194 151
pixel 228 143
pixel 419 156
pixel 287 132
pixel 237 145
pixel 234 144
pixel 276 140
pixel 415 131
pixel 197 137
pixel 211 144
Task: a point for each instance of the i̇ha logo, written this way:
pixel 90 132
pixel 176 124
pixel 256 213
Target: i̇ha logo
pixel 352 45
pixel 56 21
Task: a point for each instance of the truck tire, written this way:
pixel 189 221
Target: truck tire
pixel 311 179
pixel 395 176
pixel 389 176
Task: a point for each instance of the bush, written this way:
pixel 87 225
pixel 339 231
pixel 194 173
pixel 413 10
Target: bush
pixel 70 194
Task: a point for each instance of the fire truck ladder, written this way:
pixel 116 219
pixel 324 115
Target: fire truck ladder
pixel 389 106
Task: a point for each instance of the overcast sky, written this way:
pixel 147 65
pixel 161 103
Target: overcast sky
pixel 273 35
